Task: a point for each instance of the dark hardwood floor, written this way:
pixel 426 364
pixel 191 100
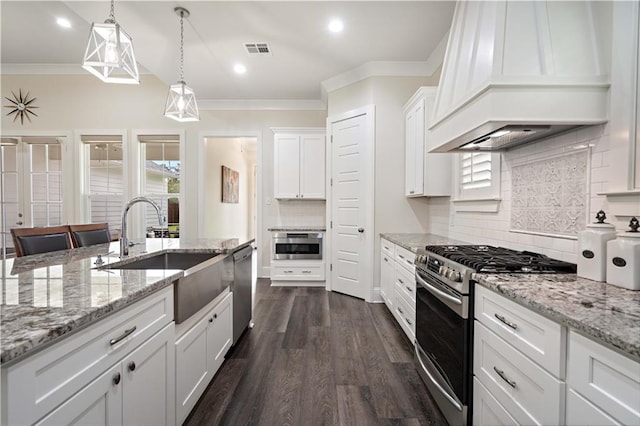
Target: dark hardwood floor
pixel 317 358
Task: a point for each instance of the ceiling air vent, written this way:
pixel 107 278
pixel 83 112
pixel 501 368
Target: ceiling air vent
pixel 257 48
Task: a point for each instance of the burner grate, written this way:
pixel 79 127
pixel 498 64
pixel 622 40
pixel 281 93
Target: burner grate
pixel 484 258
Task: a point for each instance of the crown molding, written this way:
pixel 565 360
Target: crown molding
pixel 262 104
pixel 388 69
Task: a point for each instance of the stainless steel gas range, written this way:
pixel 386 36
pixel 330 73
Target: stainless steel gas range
pixel 444 315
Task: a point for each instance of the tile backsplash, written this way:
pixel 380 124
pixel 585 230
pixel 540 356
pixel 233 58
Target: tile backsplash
pixel 563 176
pixel 300 213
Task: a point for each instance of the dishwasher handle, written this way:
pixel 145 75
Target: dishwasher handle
pixel 242 254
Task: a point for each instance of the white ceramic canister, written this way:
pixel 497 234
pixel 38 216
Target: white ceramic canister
pixel 623 258
pixel 592 249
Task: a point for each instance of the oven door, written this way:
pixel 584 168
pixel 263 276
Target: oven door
pixel 290 246
pixel 443 345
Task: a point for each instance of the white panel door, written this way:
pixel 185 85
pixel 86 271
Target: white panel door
pixel 352 206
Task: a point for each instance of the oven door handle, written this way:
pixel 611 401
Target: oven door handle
pixel 435 382
pixel 440 293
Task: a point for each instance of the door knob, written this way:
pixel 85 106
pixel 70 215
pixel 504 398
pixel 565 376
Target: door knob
pixel 361 230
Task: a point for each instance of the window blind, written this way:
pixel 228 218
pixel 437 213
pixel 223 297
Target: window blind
pixel 476 170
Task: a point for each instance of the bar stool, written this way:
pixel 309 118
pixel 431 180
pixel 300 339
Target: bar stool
pixel 29 241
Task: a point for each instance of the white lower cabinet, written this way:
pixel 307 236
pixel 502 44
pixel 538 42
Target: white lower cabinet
pixel 297 270
pixel 398 285
pixel 607 381
pixel 120 370
pixel 519 362
pixel 200 352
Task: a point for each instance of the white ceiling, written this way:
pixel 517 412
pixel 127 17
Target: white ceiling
pixel 304 54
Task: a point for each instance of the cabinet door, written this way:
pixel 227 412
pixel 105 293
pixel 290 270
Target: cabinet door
pixel 286 166
pixel 418 147
pixel 149 381
pixel 192 368
pixel 409 149
pixel 99 403
pixel 312 166
pixel 386 279
pixel 219 333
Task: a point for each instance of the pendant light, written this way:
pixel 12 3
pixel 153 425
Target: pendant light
pixel 109 54
pixel 181 102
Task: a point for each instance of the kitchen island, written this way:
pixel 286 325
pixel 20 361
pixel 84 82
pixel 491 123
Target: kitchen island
pixel 88 338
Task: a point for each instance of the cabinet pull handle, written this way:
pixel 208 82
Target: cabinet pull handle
pixel 409 262
pixel 400 310
pixel 132 366
pixel 409 289
pixel 210 320
pixel 408 321
pixel 506 322
pixel 503 377
pixel 400 279
pixel 386 260
pixel 401 256
pixel 288 272
pixel 411 192
pixel 306 272
pixel 116 379
pixel 122 336
pixel 215 316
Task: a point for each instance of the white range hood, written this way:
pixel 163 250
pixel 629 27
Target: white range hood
pixel 517 71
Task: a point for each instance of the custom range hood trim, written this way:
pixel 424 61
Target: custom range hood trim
pixel 487 83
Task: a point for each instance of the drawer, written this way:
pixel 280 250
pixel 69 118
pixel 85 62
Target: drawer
pixel 606 378
pixel 298 272
pixel 406 282
pixel 523 388
pixel 406 258
pixel 486 409
pixel 539 338
pixel 405 314
pixel 388 248
pixel 581 412
pixel 46 379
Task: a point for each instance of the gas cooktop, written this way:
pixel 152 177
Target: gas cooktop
pixel 482 258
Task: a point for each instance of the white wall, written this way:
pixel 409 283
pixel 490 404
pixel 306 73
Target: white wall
pixel 222 220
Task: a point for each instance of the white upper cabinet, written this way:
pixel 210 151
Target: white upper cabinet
pixel 426 175
pixel 299 163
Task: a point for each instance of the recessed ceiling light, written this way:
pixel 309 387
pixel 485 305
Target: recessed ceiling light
pixel 239 69
pixel 63 22
pixel 336 26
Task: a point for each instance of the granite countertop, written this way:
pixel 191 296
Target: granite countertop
pixel 604 312
pixel 48 296
pixel 416 242
pixel 297 229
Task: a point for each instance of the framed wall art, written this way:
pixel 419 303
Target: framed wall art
pixel 230 185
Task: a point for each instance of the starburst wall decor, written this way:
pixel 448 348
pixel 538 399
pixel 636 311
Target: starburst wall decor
pixel 21 106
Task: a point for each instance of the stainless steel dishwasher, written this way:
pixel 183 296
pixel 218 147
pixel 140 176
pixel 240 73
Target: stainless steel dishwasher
pixel 241 291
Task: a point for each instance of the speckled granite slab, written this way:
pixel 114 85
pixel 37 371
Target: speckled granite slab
pixel 48 296
pixel 297 229
pixel 415 242
pixel 601 311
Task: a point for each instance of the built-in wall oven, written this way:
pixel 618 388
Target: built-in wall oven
pixel 297 245
pixel 444 316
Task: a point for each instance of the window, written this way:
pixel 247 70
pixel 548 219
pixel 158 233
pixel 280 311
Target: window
pixel 105 179
pixel 161 180
pixel 478 182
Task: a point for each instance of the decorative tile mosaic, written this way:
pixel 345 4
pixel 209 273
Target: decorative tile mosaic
pixel 550 196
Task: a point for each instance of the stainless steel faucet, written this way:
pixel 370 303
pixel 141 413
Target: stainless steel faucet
pixel 124 241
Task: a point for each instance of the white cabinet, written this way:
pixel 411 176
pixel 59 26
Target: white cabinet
pixel 299 163
pixel 425 174
pixel 200 352
pixel 602 382
pixel 387 273
pixel 519 359
pixel 398 284
pixel 297 270
pixel 120 370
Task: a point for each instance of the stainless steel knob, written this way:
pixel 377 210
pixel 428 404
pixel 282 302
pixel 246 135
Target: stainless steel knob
pixel 132 366
pixel 116 379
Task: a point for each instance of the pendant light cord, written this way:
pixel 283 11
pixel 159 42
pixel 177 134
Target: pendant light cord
pixel 181 46
pixel 112 16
